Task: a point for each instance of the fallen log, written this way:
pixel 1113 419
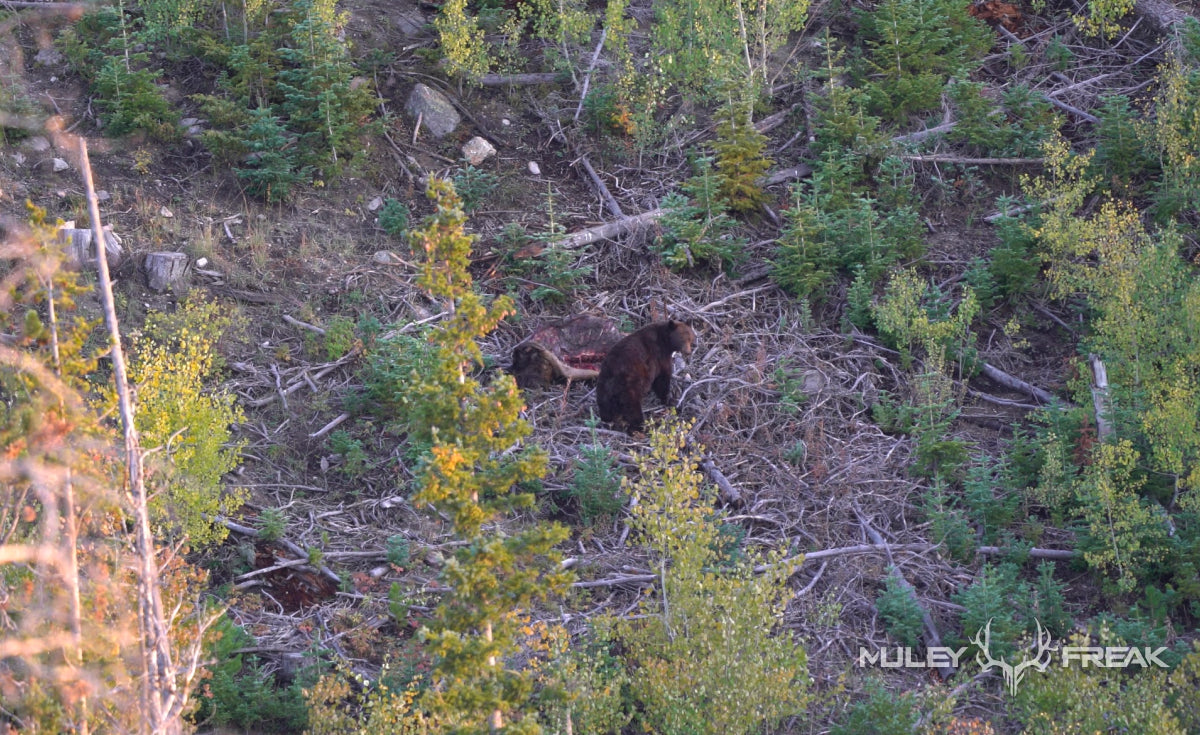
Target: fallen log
pixel 1014 383
pixel 611 230
pixel 501 80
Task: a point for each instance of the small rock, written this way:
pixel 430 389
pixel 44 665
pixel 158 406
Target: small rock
pixel 476 150
pixel 409 23
pixel 103 196
pixel 385 257
pixel 435 558
pixel 813 382
pixel 19 158
pixel 437 113
pixel 535 169
pixel 378 572
pixel 38 144
pixel 263 217
pixel 505 121
pixel 166 212
pixel 201 262
pixel 374 204
pixel 49 56
pixel 61 165
pixel 187 122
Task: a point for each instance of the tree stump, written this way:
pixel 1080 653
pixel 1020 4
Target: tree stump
pixel 165 270
pixel 77 244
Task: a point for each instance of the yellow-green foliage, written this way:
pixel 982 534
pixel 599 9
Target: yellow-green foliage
pixel 338 707
pixel 1146 304
pixel 1081 701
pixel 462 41
pixel 699 43
pixel 1125 534
pixel 741 159
pixel 707 658
pixel 902 317
pixel 186 426
pixel 1103 17
pixel 1175 133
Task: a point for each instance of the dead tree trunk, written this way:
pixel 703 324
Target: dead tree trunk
pixel 161 702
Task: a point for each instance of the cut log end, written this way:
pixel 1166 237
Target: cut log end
pixel 166 270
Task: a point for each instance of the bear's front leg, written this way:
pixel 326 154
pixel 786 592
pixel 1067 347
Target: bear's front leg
pixel 662 389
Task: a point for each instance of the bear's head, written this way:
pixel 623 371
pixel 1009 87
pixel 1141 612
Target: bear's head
pixel 683 337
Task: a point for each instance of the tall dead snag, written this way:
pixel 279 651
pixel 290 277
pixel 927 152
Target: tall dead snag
pixel 162 703
pixel 1101 400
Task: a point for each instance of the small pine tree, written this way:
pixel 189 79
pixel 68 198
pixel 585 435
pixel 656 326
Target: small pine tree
pixel 319 98
pixel 271 166
pixel 471 473
pixel 741 158
pixel 696 228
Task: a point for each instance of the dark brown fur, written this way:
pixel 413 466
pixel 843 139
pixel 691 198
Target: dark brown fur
pixel 637 364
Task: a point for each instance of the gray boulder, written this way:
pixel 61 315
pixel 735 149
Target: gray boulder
pixel 437 114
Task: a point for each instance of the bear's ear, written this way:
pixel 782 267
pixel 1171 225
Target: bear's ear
pixel 672 324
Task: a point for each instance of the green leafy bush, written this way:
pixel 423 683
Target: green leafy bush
pixel 835 226
pixel 473 186
pixel 172 360
pixel 393 217
pixel 272 165
pixel 880 712
pixel 106 48
pixel 354 457
pixel 1017 126
pixel 1122 160
pixel 319 97
pixel 1078 699
pixel 705 656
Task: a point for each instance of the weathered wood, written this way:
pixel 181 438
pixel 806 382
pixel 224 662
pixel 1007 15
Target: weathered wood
pixel 77 244
pixel 788 174
pixel 610 230
pixel 729 493
pixel 1162 14
pixel 1100 398
pixel 165 270
pixel 501 80
pixel 1035 553
pixel 968 161
pixel 927 132
pixel 1008 381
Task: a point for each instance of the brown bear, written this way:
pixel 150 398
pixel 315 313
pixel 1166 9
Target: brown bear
pixel 636 364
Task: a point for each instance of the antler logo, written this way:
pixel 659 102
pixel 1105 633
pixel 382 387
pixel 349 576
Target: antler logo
pixel 1013 674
